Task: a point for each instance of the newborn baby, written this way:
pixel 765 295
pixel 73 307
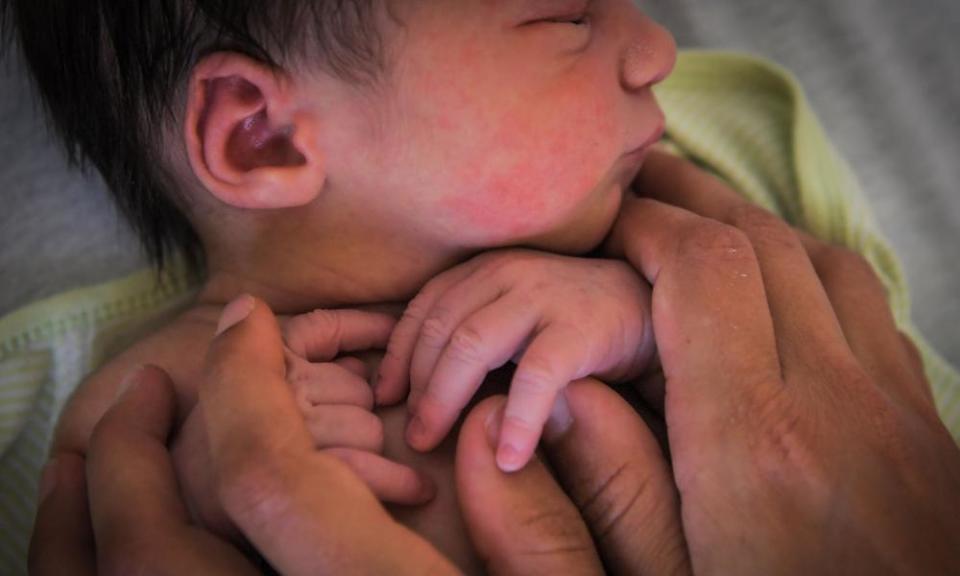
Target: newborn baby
pixel 339 155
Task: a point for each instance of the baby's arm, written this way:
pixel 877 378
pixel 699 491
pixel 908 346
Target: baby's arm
pixel 560 318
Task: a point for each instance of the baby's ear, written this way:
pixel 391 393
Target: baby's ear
pixel 249 140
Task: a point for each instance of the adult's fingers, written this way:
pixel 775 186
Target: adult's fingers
pixel 612 467
pixel 841 305
pixel 860 303
pixel 304 510
pixel 520 523
pixel 806 328
pixel 137 514
pixel 62 541
pixel 710 313
pixel 321 335
pixel 244 391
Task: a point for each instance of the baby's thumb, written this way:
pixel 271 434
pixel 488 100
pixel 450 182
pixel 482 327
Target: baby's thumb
pixel 520 523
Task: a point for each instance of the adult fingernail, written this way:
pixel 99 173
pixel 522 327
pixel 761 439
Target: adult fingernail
pixel 235 312
pixel 48 480
pixel 560 419
pixel 129 381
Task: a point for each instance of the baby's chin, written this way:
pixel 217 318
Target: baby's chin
pixel 586 229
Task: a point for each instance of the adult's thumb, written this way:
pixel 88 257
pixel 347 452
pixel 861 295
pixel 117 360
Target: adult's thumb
pixel 519 523
pixel 612 467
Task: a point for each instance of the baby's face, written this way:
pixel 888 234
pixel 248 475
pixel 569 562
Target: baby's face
pixel 510 121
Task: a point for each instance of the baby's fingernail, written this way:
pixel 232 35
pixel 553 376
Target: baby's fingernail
pixel 235 312
pixel 129 381
pixel 377 386
pixel 560 419
pixel 428 489
pixel 509 458
pixel 416 433
pixel 48 480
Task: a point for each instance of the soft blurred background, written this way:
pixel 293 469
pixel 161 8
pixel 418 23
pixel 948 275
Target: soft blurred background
pixel 883 76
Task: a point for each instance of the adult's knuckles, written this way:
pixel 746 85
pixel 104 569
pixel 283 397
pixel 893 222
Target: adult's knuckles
pixel 790 449
pixel 555 531
pixel 763 228
pixel 706 241
pixel 887 427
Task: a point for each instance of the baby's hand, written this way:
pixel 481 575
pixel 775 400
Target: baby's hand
pixel 336 402
pixel 335 397
pixel 560 318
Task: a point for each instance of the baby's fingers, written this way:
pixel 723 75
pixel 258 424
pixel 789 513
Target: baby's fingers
pixel 394 375
pixel 344 427
pixel 389 481
pixel 485 341
pixel 554 358
pixel 328 383
pixel 321 335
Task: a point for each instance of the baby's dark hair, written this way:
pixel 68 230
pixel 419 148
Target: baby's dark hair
pixel 110 72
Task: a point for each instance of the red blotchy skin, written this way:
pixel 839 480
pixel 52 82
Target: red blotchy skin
pixel 538 183
pixel 499 131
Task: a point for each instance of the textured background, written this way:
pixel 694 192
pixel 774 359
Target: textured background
pixel 881 74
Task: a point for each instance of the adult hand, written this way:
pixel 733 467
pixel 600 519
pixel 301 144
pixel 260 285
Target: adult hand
pixel 305 511
pixel 803 433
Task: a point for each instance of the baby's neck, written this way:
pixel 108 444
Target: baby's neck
pixel 295 277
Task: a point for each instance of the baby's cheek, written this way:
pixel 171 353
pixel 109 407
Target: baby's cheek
pixel 522 186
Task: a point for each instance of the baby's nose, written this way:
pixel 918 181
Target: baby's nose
pixel 648 60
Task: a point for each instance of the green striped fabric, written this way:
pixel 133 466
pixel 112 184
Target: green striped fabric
pixel 744 118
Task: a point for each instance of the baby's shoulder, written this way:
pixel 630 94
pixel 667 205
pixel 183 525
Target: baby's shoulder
pixel 178 347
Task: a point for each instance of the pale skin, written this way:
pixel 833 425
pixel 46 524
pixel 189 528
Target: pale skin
pixel 280 228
